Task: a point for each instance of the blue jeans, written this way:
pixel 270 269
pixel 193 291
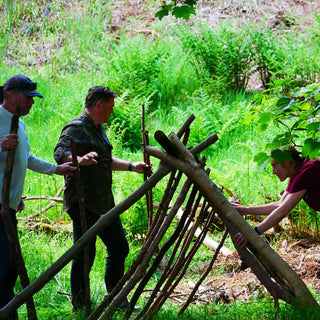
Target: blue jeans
pixel 117 248
pixel 8 268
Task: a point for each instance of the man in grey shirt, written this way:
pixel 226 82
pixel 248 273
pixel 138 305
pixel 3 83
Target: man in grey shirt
pixel 18 91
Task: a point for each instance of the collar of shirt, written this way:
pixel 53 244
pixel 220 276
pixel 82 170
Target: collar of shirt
pixel 5 112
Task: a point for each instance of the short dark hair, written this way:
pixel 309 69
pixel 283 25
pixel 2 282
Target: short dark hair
pixel 98 93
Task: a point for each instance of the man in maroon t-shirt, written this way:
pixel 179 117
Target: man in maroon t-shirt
pixel 304 183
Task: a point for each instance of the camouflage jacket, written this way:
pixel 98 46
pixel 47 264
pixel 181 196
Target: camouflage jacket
pixel 96 178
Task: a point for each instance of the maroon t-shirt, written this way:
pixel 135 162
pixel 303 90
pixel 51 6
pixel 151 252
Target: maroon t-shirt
pixel 307 177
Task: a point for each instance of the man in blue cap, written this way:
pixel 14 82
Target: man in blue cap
pixel 18 91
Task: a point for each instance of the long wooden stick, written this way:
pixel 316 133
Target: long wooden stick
pixel 84 227
pixel 147 173
pixel 8 223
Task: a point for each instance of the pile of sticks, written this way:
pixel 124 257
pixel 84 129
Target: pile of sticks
pixel 197 188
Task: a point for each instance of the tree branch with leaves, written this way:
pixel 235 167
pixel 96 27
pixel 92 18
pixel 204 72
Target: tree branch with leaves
pixel 178 8
pixel 299 117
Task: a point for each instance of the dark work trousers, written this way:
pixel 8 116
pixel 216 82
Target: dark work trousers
pixel 117 248
pixel 8 268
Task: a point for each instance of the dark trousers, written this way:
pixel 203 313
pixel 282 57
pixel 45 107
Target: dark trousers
pixel 8 269
pixel 117 248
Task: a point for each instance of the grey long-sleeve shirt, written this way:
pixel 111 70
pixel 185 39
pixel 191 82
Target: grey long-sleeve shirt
pixel 23 160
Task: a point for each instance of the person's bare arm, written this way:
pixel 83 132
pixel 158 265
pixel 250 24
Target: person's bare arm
pixel 86 160
pixel 262 210
pixel 290 201
pixel 124 165
pixel 287 203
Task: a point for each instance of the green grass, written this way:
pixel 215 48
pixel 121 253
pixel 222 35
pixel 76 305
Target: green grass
pixel 181 69
pixel 51 304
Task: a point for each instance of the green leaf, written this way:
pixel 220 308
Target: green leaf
pixel 248 118
pixel 160 14
pixel 303 92
pixel 165 9
pixel 183 12
pixel 260 157
pixel 283 101
pixel 281 155
pixel 190 3
pixel 289 105
pixel 316 108
pixel 313 127
pixel 275 144
pixel 265 117
pixel 311 148
pixel 264 165
pixel 262 160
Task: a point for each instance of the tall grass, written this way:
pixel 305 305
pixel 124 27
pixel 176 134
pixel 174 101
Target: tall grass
pixel 186 69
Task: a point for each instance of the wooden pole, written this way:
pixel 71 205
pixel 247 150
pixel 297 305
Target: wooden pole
pixel 8 223
pixel 147 173
pixel 84 227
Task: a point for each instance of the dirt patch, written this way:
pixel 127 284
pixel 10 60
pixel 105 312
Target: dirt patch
pixel 137 16
pixel 227 283
pixel 282 13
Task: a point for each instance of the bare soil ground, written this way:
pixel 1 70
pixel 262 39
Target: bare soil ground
pixel 138 15
pixel 233 284
pixel 302 255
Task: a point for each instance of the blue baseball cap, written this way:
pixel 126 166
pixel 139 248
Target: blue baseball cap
pixel 23 84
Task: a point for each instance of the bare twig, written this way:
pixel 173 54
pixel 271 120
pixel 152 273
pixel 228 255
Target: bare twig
pixel 54 200
pixel 63 290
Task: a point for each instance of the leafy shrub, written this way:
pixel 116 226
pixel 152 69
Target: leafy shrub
pixel 298 115
pixel 225 52
pixel 231 55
